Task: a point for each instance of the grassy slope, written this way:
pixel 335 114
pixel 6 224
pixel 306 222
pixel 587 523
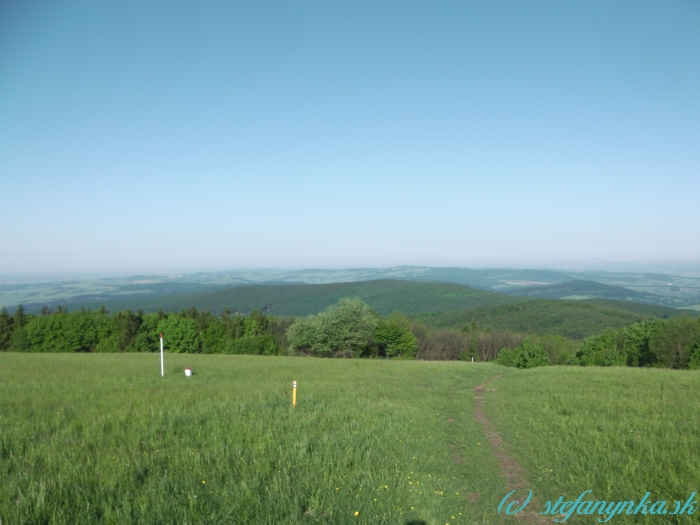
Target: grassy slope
pixel 103 439
pixel 568 318
pixel 617 431
pixel 385 296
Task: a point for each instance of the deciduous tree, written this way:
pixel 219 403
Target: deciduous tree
pixel 346 328
pixel 394 337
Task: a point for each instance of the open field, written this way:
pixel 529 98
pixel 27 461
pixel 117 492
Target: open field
pixel 101 438
pixel 617 431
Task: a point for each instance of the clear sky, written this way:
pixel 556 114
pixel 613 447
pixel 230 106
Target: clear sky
pixel 184 136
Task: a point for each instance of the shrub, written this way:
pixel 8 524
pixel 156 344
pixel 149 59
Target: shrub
pixel 394 337
pixel 607 349
pixel 252 345
pixel 506 357
pixel 527 355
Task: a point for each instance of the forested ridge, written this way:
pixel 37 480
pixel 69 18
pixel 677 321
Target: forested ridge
pixel 568 318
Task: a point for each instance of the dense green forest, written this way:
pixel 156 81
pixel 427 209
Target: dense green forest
pixel 671 343
pixel 524 335
pixel 348 329
pixel 674 343
pixel 189 331
pixel 570 319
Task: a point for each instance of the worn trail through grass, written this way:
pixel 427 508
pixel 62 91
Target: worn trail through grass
pixel 511 471
pixel 618 432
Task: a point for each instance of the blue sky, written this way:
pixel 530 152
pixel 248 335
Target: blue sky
pixel 186 136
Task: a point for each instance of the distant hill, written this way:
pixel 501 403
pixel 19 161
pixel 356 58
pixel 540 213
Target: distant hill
pixel 575 319
pixel 303 299
pixel 582 290
pixel 677 291
pixel 435 304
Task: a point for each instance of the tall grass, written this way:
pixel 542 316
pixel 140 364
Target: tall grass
pixel 104 439
pixel 617 431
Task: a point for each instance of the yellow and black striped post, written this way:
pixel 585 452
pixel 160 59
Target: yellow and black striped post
pixel 294 394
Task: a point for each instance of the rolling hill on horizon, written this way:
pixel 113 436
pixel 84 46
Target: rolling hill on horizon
pixel 574 319
pixel 580 289
pixel 677 291
pixel 385 296
pixel 438 305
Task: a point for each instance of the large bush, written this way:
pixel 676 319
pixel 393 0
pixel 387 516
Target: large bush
pixel 394 338
pixel 253 345
pixel 606 349
pixel 527 355
pixel 344 329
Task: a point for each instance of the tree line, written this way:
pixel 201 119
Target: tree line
pixel 189 331
pixel 661 343
pixel 349 328
pixel 669 343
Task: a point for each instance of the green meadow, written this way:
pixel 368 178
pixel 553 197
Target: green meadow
pixel 617 431
pixel 102 438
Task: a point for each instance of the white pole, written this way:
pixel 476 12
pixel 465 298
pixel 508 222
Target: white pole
pixel 161 355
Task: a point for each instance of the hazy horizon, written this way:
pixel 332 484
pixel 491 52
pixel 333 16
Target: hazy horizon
pixel 162 138
pixel 690 268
